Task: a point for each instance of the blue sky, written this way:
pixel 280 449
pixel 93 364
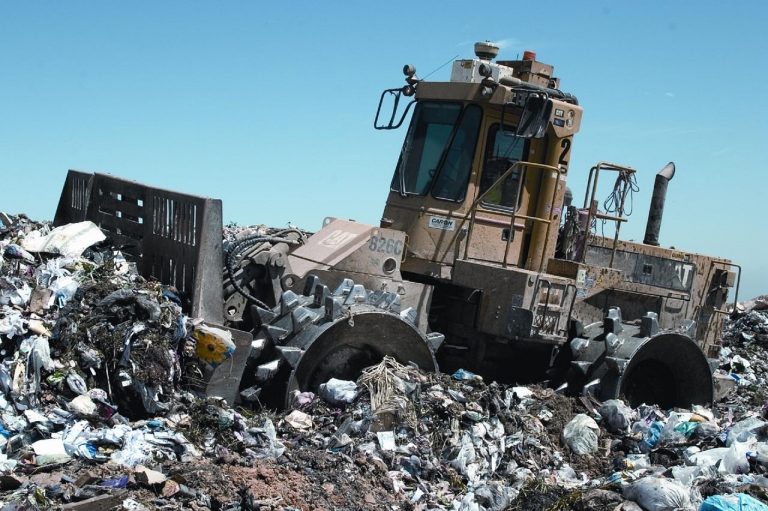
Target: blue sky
pixel 269 106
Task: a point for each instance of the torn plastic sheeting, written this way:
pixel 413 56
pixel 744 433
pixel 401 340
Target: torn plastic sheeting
pixel 264 442
pixel 11 322
pixel 142 446
pixel 734 502
pixel 743 430
pixel 69 240
pixel 494 496
pixel 53 269
pixel 653 434
pixel 135 450
pixel 735 460
pixel 39 352
pixel 14 291
pixel 7 464
pixel 463 458
pixel 130 335
pixel 38 357
pixel 671 434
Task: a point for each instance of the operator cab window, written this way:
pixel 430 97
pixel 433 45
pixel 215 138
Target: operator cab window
pixel 438 151
pixel 451 183
pixel 502 150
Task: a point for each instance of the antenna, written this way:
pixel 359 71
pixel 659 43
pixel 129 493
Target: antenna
pixel 441 66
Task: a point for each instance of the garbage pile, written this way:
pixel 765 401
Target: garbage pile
pixel 742 357
pixel 102 406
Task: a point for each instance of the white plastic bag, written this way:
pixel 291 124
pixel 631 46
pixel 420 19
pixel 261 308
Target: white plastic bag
pixel 338 392
pixel 659 494
pixel 580 435
pixel 735 460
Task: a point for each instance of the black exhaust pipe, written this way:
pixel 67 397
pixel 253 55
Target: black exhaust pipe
pixel 653 226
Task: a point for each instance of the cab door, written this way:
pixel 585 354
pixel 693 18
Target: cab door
pixel 502 149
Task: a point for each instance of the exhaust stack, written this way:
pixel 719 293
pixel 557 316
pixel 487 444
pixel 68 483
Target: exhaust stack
pixel 657 204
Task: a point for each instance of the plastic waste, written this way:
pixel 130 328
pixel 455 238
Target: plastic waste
pixel 686 475
pixel 708 457
pixel 580 435
pixel 299 420
pixel 82 406
pixel 616 415
pixel 659 494
pixel 11 322
pixel 115 482
pixel 14 292
pixel 135 450
pixel 69 240
pixel 706 430
pixel 743 430
pixel 264 442
pixel 144 307
pixel 464 375
pixel 463 457
pixel 735 460
pixel 653 434
pixel 494 496
pixel 214 345
pixel 14 251
pixel 734 502
pixel 76 383
pixel 386 440
pixel 7 464
pixel 670 434
pixel 302 399
pixel 63 289
pixel 50 450
pixel 338 392
pixel 687 429
pixel 637 461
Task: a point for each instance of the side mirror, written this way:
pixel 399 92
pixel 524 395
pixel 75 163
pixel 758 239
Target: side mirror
pixel 535 116
pixel 392 98
pixel 537 110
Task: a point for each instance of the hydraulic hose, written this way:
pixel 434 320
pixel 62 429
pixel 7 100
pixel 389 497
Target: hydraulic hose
pixel 246 243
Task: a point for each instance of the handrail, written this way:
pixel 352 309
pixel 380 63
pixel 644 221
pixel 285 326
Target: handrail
pixel 473 208
pixel 589 201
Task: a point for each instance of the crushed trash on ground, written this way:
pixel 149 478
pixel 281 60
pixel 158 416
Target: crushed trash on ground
pixel 102 406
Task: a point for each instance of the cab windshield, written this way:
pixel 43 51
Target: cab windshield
pixel 438 151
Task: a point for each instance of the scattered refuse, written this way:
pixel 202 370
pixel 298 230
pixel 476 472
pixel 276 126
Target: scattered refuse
pixel 103 405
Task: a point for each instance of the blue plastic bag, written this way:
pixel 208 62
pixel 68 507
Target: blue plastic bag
pixel 734 502
pixel 464 375
pixel 653 434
